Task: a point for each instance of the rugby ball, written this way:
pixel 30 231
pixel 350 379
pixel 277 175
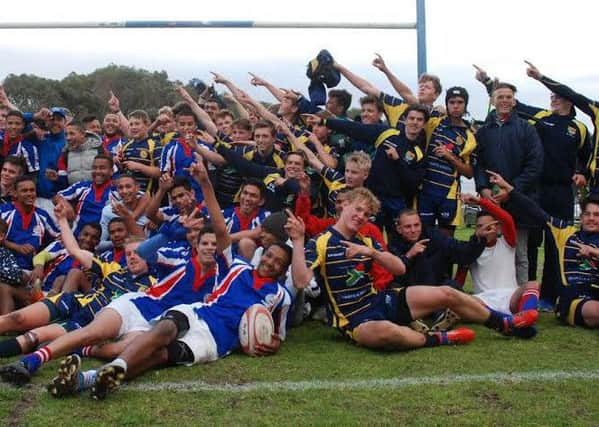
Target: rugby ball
pixel 256 327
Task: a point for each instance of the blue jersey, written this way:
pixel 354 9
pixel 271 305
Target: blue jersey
pixel 176 159
pixel 237 291
pixel 114 255
pixel 236 222
pixel 21 148
pixel 171 213
pixel 186 284
pixel 27 228
pixel 90 198
pixel 56 261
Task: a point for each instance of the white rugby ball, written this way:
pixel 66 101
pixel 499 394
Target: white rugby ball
pixel 256 327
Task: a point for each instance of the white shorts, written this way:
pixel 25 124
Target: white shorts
pixel 497 299
pixel 198 338
pixel 131 318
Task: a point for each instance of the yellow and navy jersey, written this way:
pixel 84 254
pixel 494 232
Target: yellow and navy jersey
pixel 395 109
pixel 145 151
pixel 590 108
pixel 441 178
pixel 274 159
pixel 334 182
pixel 346 282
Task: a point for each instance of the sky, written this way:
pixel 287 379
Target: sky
pixel 497 36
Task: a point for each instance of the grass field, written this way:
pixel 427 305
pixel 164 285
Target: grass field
pixel 319 378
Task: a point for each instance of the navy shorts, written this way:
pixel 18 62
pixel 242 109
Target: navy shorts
pixel 437 209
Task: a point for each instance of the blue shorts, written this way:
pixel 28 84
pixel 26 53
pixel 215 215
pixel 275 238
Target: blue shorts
pixel 73 309
pixel 569 305
pixel 390 305
pixel 437 209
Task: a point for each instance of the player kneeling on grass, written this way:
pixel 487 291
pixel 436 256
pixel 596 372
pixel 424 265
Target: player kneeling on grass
pixel 342 260
pixel 195 333
pixel 494 271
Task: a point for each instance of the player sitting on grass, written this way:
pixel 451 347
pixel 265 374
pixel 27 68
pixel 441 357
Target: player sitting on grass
pixel 199 332
pixel 578 252
pixel 342 260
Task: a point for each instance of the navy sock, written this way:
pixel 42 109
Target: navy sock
pixel 10 347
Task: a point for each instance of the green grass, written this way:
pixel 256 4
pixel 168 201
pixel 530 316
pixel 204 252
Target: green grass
pixel 314 352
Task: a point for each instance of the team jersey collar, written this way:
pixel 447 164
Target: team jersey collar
pixel 199 278
pixel 27 217
pixel 260 281
pixel 8 143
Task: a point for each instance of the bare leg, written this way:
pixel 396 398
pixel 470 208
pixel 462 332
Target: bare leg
pixel 150 342
pixel 590 313
pixel 423 300
pixel 33 338
pixel 76 281
pixel 9 295
pixel 387 335
pixel 110 350
pixel 56 286
pixel 32 316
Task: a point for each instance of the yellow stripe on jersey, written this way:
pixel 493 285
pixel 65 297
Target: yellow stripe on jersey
pixel 561 236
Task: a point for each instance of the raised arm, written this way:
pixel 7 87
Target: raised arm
pixel 69 241
pixel 165 183
pixel 360 83
pixel 4 100
pixel 114 106
pixel 276 92
pixel 200 174
pixel 198 111
pixel 400 87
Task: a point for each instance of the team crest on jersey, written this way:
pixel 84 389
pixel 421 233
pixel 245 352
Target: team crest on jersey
pixel 409 156
pixel 355 274
pixel 587 265
pixel 571 131
pixel 459 140
pixel 143 154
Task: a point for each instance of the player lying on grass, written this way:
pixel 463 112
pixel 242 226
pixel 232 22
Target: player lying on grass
pixel 54 316
pixel 342 260
pixel 189 280
pixel 199 332
pixel 578 252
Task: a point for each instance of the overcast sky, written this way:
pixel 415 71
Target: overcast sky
pixel 555 35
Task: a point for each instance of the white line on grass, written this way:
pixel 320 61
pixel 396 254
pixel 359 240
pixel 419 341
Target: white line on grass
pixel 498 377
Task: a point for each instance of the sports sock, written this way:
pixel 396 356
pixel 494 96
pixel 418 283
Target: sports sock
pixel 120 363
pixel 84 351
pixel 501 322
pixel 34 361
pixel 529 300
pixel 435 339
pixel 87 379
pixel 10 347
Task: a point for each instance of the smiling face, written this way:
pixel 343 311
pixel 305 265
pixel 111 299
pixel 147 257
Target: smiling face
pixel 355 214
pixel 409 227
pixel 117 232
pixel 369 113
pixel 135 263
pixel 101 171
pixel 206 247
pixel 9 174
pixel 89 237
pixel 183 199
pixel 111 124
pixel 589 218
pixel 294 165
pixel 14 126
pixel 250 198
pixel 186 125
pixel 138 128
pixel 25 193
pixel 504 101
pixel 273 262
pixel 127 187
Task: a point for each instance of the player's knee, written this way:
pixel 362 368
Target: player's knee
pixel 532 285
pixel 16 317
pixel 165 331
pixel 448 296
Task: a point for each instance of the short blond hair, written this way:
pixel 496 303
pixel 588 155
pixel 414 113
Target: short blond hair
pixel 364 194
pixel 361 159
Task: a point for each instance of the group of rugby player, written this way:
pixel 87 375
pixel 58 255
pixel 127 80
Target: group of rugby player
pixel 143 243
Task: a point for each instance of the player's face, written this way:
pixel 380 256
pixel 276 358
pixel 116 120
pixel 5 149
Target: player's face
pixel 354 175
pixel 241 134
pixel 75 137
pixel 14 126
pixel 559 105
pixel 211 108
pixel 89 238
pixel 504 100
pixel 56 123
pixel 9 174
pixel 265 140
pixel 135 263
pixel 127 188
pixel 334 106
pixel 3 114
pixel 111 124
pixel 369 113
pixel 456 107
pixel 138 128
pixel 487 222
pixel 321 132
pixel 273 262
pixel 94 126
pixel 355 214
pixel 186 125
pixel 409 227
pixel 183 199
pixel 414 122
pixel 589 219
pixel 224 124
pixel 250 198
pixel 287 106
pixel 167 123
pixel 427 93
pixel 117 232
pixel 101 171
pixel 294 166
pixel 26 194
pixel 206 248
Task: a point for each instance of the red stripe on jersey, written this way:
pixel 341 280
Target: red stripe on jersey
pixel 198 279
pixel 226 283
pixel 169 282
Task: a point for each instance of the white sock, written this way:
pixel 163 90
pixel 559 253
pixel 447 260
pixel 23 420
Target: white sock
pixel 120 363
